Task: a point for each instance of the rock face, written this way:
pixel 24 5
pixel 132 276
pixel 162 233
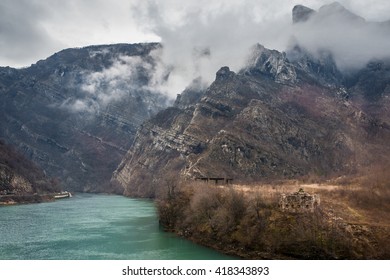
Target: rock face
pixel 76 113
pixel 301 13
pixel 284 115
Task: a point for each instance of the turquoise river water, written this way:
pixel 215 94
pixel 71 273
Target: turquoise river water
pixel 95 227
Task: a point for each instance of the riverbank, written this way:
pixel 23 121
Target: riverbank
pixel 350 223
pixel 25 199
pixel 12 199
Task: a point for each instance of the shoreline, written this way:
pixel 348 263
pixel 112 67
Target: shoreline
pixel 234 252
pixel 9 200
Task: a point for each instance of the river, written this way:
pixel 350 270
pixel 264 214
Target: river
pixel 92 227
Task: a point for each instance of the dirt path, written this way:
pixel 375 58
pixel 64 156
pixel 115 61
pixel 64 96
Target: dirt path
pixel 285 188
pixel 320 187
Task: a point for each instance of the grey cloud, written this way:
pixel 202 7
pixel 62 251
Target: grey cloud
pixel 33 30
pixel 22 37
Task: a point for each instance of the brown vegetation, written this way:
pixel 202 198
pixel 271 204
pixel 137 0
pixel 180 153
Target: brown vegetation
pixel 352 222
pixel 20 176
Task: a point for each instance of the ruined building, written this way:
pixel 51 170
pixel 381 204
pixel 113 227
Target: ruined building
pixel 298 202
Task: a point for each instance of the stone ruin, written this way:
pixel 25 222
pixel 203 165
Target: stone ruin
pixel 299 202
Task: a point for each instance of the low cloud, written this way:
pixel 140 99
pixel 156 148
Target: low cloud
pixel 352 40
pixel 126 76
pixel 200 37
pixel 112 84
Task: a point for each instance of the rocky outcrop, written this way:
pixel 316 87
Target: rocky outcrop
pixel 76 113
pixel 301 13
pixel 270 63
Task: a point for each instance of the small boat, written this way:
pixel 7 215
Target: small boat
pixel 60 195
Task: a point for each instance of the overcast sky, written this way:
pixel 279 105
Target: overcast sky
pixel 34 29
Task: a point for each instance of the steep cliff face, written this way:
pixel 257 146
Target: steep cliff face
pixel 283 115
pixel 76 113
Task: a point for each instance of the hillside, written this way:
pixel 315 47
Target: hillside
pixel 21 180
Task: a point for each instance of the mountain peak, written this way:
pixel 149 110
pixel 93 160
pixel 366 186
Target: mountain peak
pixel 301 13
pixel 336 9
pixel 335 6
pixel 224 73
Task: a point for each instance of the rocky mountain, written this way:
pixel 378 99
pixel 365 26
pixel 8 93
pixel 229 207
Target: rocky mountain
pixel 76 113
pixel 284 115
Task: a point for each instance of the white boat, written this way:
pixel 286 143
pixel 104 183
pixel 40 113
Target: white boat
pixel 62 195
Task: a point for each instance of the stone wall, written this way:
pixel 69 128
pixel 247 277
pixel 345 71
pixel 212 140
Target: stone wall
pixel 298 202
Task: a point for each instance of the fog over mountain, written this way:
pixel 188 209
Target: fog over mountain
pixel 93 89
pixel 198 36
pixel 351 39
pixel 199 39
